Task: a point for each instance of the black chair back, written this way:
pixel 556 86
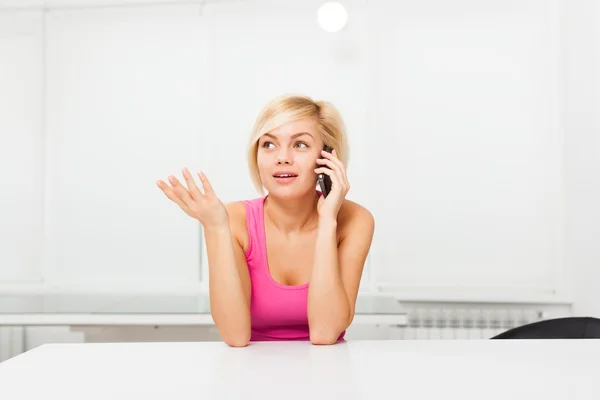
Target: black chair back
pixel 558 328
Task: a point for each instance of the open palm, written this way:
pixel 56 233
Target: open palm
pixel 205 207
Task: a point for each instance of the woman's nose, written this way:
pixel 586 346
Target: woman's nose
pixel 283 157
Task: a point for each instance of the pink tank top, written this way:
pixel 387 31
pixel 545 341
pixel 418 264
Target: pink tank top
pixel 278 312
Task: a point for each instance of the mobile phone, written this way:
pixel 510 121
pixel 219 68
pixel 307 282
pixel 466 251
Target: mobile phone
pixel 324 179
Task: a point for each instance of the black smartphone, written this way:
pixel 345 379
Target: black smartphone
pixel 324 179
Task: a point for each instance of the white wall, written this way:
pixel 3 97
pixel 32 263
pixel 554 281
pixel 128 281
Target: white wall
pixel 21 145
pixel 124 107
pixel 468 132
pixel 472 125
pixel 582 152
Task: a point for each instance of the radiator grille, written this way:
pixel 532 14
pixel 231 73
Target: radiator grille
pixel 457 323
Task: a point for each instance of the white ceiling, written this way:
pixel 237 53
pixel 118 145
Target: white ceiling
pixel 6 5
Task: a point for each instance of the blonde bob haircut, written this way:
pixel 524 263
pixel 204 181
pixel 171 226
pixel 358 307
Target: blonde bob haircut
pixel 288 108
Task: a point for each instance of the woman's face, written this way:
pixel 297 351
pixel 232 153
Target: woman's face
pixel 287 157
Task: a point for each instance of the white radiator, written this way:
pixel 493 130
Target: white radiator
pixel 464 323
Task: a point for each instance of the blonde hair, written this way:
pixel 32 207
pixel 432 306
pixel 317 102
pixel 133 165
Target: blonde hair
pixel 288 108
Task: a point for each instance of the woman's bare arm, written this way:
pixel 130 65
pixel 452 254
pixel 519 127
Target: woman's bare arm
pixel 229 280
pixel 336 276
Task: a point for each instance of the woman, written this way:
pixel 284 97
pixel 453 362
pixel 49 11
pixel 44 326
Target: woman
pixel 285 266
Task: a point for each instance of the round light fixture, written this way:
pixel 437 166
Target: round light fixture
pixel 332 16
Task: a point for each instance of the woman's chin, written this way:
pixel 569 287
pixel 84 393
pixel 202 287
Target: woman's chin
pixel 289 192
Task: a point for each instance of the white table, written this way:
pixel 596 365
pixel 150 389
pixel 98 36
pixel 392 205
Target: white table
pixel 470 369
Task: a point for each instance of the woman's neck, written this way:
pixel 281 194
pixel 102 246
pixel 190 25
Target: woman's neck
pixel 293 215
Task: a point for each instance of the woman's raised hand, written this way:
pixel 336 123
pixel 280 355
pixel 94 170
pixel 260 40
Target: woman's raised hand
pixel 205 207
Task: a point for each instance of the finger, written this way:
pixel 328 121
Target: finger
pixel 194 190
pixel 171 195
pixel 334 158
pixel 327 162
pixel 208 189
pixel 180 190
pixel 338 169
pixel 327 171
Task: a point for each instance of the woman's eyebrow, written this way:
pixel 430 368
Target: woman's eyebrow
pixel 295 135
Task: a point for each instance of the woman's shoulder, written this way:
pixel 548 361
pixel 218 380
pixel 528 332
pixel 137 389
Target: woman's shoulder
pixel 352 214
pixel 236 208
pixel 237 221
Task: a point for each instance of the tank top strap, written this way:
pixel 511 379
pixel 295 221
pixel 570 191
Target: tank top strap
pixel 256 231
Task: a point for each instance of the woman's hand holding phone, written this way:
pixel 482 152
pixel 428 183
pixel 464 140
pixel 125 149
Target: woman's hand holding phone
pixel 328 207
pixel 205 207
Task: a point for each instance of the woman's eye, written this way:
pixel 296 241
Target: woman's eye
pixel 270 144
